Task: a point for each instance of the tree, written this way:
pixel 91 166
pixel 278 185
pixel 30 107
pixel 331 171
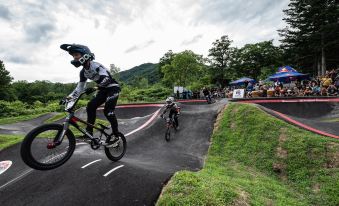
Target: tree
pixel 114 70
pixel 220 57
pixel 256 60
pixel 165 60
pixel 5 81
pixel 311 37
pixel 185 68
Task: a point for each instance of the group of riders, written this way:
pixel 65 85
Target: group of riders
pixel 108 88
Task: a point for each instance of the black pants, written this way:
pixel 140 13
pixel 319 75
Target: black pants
pixel 109 96
pixel 175 117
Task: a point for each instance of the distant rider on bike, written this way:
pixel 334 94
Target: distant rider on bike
pixel 173 108
pixel 108 87
pixel 207 95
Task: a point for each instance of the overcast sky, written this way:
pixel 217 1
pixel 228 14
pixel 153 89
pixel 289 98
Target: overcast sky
pixel 126 33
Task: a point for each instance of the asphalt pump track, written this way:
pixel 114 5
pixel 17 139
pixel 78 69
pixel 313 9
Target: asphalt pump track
pixel 89 178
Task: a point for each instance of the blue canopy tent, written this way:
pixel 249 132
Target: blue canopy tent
pixel 287 74
pixel 242 81
pixel 286 69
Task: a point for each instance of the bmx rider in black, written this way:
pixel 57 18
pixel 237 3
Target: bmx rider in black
pixel 108 87
pixel 173 108
pixel 207 94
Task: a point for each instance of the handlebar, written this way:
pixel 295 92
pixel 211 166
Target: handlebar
pixel 68 101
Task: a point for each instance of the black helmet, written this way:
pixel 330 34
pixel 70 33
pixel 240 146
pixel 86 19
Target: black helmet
pixel 85 52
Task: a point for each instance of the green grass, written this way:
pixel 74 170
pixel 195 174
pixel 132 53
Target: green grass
pixel 256 159
pixel 10 120
pixel 56 117
pixel 331 120
pixel 9 140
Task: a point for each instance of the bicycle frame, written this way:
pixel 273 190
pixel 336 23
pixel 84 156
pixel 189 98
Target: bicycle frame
pixel 169 122
pixel 71 119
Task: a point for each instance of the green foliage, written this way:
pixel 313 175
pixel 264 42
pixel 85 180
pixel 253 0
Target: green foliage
pixel 114 70
pixel 43 91
pixel 312 31
pixel 220 57
pixel 18 108
pixel 152 94
pixel 184 69
pixel 148 71
pixel 257 60
pixel 5 80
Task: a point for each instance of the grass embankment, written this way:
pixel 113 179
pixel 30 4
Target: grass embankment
pixel 10 120
pixel 256 159
pixel 9 140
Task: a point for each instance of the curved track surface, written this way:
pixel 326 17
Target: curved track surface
pixel 317 115
pixel 89 178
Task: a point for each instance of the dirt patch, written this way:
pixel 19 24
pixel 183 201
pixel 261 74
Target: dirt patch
pixel 242 199
pixel 332 155
pixel 282 136
pixel 235 110
pixel 281 153
pixel 279 167
pixel 269 202
pixel 316 188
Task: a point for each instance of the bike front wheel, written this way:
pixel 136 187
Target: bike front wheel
pixel 40 151
pixel 116 147
pixel 168 134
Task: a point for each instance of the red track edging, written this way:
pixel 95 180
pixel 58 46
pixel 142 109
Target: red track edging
pixel 289 100
pixel 193 100
pixel 305 126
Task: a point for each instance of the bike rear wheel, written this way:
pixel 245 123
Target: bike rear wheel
pixel 39 151
pixel 116 147
pixel 168 134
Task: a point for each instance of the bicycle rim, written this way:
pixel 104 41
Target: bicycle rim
pixel 168 135
pixel 37 150
pixel 116 147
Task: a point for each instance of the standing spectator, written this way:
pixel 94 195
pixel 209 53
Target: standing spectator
pixel 277 90
pixel 336 82
pixel 315 88
pixel 308 91
pixel 323 91
pixel 296 91
pixel 246 83
pixel 332 90
pixel 249 86
pixel 264 91
pixel 326 81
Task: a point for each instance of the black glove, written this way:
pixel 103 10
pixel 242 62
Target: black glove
pixel 162 115
pixel 62 102
pixel 90 90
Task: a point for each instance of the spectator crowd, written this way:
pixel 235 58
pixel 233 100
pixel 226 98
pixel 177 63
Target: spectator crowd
pixel 326 85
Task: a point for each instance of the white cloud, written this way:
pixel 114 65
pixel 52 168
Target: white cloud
pixel 124 32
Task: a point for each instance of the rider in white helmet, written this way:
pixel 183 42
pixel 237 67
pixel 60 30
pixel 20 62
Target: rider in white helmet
pixel 108 87
pixel 173 108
